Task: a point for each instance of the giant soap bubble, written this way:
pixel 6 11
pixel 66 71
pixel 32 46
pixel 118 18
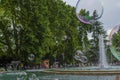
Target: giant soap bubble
pixel 80 56
pixel 88 11
pixel 114 43
pixel 31 57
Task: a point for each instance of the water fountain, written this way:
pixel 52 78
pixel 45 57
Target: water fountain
pixel 102 55
pixel 94 11
pixel 101 72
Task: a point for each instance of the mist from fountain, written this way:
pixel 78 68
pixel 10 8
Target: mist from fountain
pixel 102 53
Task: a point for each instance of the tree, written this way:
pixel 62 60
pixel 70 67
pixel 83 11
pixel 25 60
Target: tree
pixel 30 27
pixel 18 31
pixel 38 27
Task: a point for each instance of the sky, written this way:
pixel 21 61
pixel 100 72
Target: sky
pixel 111 14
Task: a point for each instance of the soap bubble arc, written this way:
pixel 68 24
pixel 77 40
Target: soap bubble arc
pixel 92 20
pixel 114 49
pixel 80 57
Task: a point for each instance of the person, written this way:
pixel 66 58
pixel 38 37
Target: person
pixel 21 66
pixel 117 77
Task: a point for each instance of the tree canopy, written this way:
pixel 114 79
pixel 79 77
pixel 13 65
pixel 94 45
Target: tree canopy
pixel 45 28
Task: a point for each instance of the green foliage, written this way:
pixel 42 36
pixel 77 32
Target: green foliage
pixel 31 27
pixel 116 39
pixel 39 27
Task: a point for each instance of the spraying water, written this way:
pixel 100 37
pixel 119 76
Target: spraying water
pixel 102 56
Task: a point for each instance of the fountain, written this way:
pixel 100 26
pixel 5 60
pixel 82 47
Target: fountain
pixel 95 12
pixel 101 72
pixel 102 56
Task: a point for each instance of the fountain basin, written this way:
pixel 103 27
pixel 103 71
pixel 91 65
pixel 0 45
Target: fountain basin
pixel 16 73
pixel 111 70
pixel 65 74
pixel 84 72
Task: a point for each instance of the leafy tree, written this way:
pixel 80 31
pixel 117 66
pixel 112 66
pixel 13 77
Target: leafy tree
pixel 43 28
pixel 19 29
pixel 30 27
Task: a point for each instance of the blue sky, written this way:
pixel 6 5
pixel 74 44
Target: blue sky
pixel 111 15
